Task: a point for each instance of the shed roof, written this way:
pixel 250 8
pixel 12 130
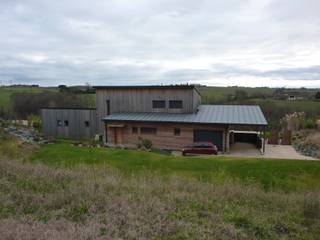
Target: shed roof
pixel 173 86
pixel 211 114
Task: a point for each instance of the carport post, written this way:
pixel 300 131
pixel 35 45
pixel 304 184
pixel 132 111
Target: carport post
pixel 264 141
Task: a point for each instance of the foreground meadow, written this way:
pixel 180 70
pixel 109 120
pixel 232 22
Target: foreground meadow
pixel 61 191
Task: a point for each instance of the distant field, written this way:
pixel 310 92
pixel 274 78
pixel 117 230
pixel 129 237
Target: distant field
pixel 218 94
pixel 88 100
pixel 6 92
pixel 308 106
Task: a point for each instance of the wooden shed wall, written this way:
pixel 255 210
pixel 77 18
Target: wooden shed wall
pixel 164 138
pixel 140 100
pixel 76 118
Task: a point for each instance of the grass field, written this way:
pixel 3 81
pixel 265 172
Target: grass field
pixel 6 92
pixel 87 100
pixel 219 94
pixel 61 191
pixel 293 106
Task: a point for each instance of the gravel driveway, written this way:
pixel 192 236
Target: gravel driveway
pixel 272 151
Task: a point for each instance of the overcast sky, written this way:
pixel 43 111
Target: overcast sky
pixel 122 42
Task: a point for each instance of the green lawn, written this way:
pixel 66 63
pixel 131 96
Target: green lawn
pixel 284 175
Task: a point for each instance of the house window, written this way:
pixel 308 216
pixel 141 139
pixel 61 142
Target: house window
pixel 177 131
pixel 66 123
pixel 59 123
pixel 108 107
pixel 158 104
pixel 87 123
pixel 175 104
pixel 134 130
pixel 147 130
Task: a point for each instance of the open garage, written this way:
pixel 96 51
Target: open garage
pixel 249 137
pixel 215 137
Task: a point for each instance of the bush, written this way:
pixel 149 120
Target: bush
pixel 34 121
pixel 310 124
pixel 144 143
pixel 147 143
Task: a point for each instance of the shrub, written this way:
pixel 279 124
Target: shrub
pixel 310 124
pixel 34 121
pixel 147 143
pixel 139 144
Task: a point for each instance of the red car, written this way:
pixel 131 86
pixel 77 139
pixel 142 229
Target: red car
pixel 200 148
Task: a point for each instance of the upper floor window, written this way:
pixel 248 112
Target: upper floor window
pixel 108 107
pixel 87 123
pixel 59 123
pixel 148 130
pixel 175 104
pixel 158 104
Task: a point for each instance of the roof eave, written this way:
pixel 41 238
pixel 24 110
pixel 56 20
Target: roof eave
pixel 185 122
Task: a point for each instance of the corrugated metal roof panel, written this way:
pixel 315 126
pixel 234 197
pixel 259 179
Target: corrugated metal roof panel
pixel 216 114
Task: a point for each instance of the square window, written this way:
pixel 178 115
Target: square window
pixel 175 104
pixel 158 104
pixel 66 123
pixel 147 130
pixel 59 123
pixel 177 131
pixel 134 130
pixel 87 123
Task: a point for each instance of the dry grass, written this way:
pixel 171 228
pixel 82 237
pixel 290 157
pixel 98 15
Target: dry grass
pixel 41 202
pixel 38 201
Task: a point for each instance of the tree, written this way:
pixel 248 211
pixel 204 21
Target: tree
pixel 241 95
pixel 317 96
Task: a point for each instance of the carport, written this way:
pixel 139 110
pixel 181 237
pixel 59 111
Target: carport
pixel 247 140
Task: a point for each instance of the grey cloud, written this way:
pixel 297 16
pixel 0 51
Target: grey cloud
pixel 66 41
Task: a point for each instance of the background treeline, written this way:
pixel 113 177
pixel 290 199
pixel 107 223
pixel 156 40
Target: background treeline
pixel 24 104
pixel 18 102
pixel 274 103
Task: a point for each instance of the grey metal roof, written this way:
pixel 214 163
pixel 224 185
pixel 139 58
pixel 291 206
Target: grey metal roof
pixel 174 86
pixel 216 114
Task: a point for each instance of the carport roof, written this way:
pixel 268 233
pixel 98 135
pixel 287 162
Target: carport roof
pixel 210 114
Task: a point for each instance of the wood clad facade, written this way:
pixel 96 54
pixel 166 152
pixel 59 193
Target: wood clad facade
pixel 140 100
pixel 69 123
pixel 121 133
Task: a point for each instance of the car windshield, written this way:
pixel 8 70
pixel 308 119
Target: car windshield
pixel 201 145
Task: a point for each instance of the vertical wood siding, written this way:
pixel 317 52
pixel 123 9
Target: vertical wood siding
pixel 76 118
pixel 140 100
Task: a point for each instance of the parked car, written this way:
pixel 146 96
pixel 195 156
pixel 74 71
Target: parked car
pixel 200 148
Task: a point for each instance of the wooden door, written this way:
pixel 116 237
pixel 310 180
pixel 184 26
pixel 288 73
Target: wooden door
pixel 117 135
